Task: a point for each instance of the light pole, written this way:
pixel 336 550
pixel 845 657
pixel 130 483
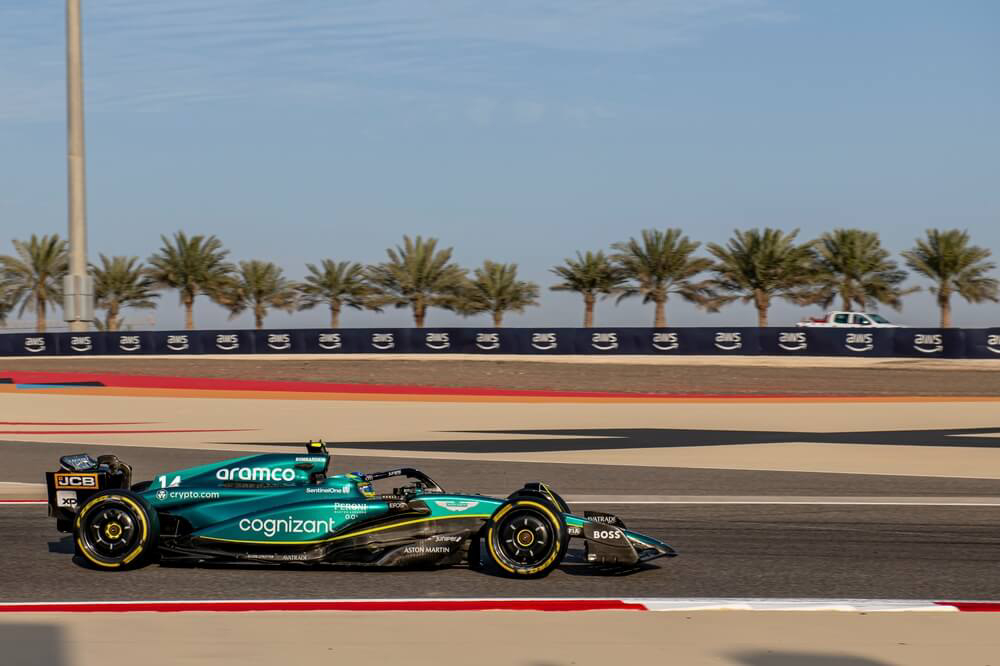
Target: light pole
pixel 78 303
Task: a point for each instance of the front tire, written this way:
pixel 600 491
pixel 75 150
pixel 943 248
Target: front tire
pixel 115 529
pixel 527 538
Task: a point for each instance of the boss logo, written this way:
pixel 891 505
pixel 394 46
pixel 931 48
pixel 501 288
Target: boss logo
pixel 608 534
pixel 792 341
pixel 993 343
pixel 279 341
pixel 488 341
pixel 329 341
pixel 81 343
pixel 928 343
pixel 860 342
pixel 34 345
pixel 227 341
pixel 178 342
pixel 437 341
pixel 544 341
pixel 130 343
pixel 604 341
pixel 81 481
pixel 666 341
pixel 383 341
pixel 729 340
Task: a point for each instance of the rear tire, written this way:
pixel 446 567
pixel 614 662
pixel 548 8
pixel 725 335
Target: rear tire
pixel 115 529
pixel 526 537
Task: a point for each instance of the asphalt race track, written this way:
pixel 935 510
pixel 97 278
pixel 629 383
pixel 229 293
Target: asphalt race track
pixel 808 550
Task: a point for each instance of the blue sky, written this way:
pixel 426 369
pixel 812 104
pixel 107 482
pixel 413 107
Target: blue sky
pixel 518 131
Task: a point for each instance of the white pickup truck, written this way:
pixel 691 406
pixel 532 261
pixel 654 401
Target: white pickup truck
pixel 841 319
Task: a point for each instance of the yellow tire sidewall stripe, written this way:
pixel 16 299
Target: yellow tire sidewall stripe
pixel 497 558
pixel 140 514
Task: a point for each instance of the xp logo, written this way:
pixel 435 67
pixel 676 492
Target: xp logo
pixel 604 341
pixel 272 474
pixel 488 341
pixel 792 340
pixel 130 343
pixel 457 505
pixel 928 343
pixel 544 341
pixel 859 342
pixel 178 342
pixel 993 343
pixel 666 341
pixel 79 481
pixel 279 341
pixel 383 341
pixel 329 341
pixel 34 344
pixel 437 341
pixel 729 340
pixel 81 343
pixel 227 341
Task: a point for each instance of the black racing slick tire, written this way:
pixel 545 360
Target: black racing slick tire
pixel 115 529
pixel 526 537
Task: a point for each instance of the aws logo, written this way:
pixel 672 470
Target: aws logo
pixel 437 341
pixel 928 343
pixel 792 340
pixel 488 341
pixel 729 340
pixel 129 343
pixel 604 341
pixel 383 341
pixel 279 341
pixel 666 341
pixel 993 343
pixel 34 344
pixel 859 342
pixel 329 341
pixel 178 343
pixel 81 343
pixel 227 341
pixel 544 341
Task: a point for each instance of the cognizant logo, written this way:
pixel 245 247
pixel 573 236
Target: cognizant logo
pixel 256 474
pixel 271 526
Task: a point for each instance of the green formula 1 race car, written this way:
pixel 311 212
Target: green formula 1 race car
pixel 285 509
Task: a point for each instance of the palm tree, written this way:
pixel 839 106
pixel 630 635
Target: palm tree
pixel 955 267
pixel 418 276
pixel 660 264
pixel 335 284
pixel 854 267
pixel 592 275
pixel 757 265
pixel 496 289
pixel 121 282
pixel 259 286
pixel 34 277
pixel 191 265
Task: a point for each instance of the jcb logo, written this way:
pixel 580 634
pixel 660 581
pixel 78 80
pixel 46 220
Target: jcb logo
pixel 279 341
pixel 792 341
pixel 544 341
pixel 82 481
pixel 928 343
pixel 860 342
pixel 227 341
pixel 488 341
pixel 437 340
pixel 177 342
pixel 604 341
pixel 666 341
pixel 329 340
pixel 383 341
pixel 729 340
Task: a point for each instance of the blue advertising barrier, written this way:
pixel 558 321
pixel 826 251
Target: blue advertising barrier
pixel 718 341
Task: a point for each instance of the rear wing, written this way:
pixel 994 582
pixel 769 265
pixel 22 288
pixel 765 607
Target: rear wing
pixel 80 476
